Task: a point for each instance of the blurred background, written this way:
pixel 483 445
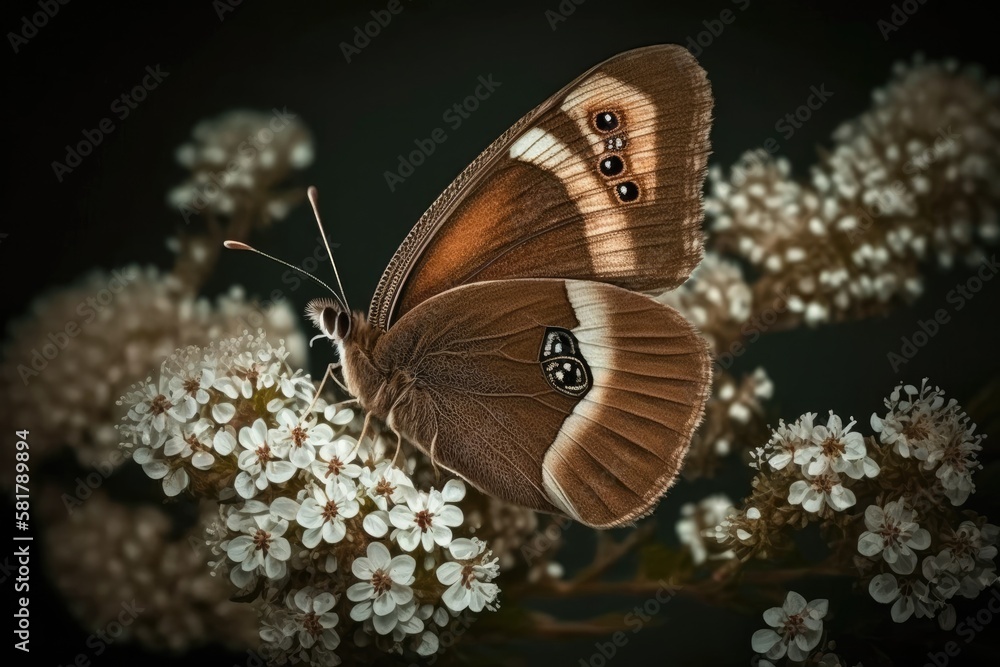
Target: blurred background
pixel 358 110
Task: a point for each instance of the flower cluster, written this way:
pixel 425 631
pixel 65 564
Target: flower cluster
pixel 121 324
pixel 820 463
pixel 236 161
pixel 913 179
pixel 886 504
pixel 716 298
pixel 934 450
pixel 324 533
pixel 921 426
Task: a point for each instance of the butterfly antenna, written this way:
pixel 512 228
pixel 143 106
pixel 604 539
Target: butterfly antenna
pixel 239 245
pixel 313 195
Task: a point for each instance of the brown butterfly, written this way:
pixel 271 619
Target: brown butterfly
pixel 508 338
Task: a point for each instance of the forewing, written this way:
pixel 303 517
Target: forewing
pixel 601 182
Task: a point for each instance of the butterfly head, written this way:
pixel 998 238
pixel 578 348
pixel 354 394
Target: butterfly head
pixel 330 317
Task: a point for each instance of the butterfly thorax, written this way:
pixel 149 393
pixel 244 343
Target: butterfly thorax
pixel 361 375
pixel 388 391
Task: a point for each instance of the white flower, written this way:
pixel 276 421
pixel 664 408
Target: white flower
pixel 175 477
pixel 313 619
pixel 426 519
pixel 335 460
pixel 835 447
pixel 260 463
pixel 192 379
pixel 300 437
pixel 969 545
pixel 787 439
pixel 469 576
pixel 192 440
pixel 152 404
pixel 907 599
pixel 797 628
pixel 386 483
pixel 958 459
pixel 942 573
pixel 262 545
pixel 815 492
pixel 323 515
pixel 384 592
pixel 254 370
pixel 910 424
pixel 893 533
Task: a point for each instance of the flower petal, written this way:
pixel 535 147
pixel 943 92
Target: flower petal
pixel 453 491
pixel 449 573
pixel 379 556
pixel 223 413
pixel 360 591
pixel 870 544
pixel 883 588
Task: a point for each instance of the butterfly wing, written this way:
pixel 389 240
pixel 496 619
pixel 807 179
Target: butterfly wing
pixel 600 182
pixel 565 396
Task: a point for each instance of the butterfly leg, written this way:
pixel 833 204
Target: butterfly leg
pixel 399 446
pixel 364 429
pixel 437 471
pixel 327 374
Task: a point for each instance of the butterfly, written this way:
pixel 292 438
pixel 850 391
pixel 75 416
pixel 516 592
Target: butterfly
pixel 512 337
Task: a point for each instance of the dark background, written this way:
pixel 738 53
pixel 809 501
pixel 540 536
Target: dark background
pixel 111 211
